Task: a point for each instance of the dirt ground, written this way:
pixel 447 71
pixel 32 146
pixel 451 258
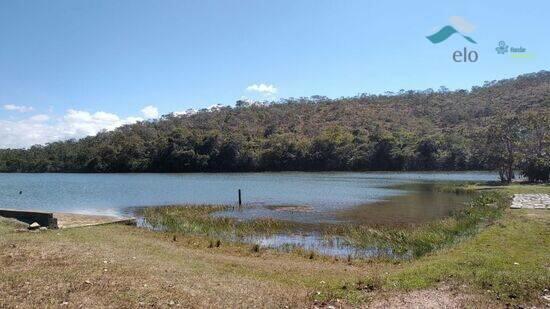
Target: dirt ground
pixel 443 296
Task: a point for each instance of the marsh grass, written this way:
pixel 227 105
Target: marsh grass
pixel 457 188
pixel 198 220
pixel 421 239
pixel 394 242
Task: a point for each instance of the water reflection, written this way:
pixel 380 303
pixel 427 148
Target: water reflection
pixel 422 204
pixel 334 246
pixel 409 204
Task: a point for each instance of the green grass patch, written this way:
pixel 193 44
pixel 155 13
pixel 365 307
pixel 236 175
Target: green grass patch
pixel 424 238
pixel 508 260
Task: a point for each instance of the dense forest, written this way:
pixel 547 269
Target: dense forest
pixel 502 125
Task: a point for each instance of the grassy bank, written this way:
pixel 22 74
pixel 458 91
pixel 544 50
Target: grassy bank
pixel 507 261
pixel 524 188
pixel 418 240
pixel 503 261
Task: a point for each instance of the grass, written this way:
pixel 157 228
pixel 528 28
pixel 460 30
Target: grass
pixel 504 260
pixel 409 241
pixel 421 239
pixel 512 188
pixel 198 220
pixel 508 260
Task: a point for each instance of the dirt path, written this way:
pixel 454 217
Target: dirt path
pixel 441 297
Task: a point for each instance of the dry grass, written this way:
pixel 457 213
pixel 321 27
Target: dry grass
pixel 124 266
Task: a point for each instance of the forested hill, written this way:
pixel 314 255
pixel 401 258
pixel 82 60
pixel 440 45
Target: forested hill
pixel 409 130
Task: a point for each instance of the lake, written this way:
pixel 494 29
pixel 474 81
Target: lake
pixel 333 196
pixel 375 198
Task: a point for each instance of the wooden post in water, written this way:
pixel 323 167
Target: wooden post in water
pixel 240 201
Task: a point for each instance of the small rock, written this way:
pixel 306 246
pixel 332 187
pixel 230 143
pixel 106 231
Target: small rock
pixel 43 228
pixel 88 282
pixel 546 297
pixel 65 303
pixel 516 263
pixel 34 226
pixel 171 303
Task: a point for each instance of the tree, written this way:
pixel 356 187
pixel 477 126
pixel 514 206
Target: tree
pixel 535 163
pixel 503 145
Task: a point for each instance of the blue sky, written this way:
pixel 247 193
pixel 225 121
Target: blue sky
pixel 70 68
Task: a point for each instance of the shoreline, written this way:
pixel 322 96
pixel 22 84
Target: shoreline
pixel 502 262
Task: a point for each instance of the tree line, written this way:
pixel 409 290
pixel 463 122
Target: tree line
pixel 502 125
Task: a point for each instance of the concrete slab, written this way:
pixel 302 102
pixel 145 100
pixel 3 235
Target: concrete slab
pixel 29 216
pixel 531 201
pixel 68 220
pixel 62 220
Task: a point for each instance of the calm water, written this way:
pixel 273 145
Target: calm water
pixel 323 193
pixel 333 246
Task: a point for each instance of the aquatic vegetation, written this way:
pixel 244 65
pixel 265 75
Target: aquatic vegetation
pixel 387 241
pixel 458 188
pixel 424 238
pixel 198 219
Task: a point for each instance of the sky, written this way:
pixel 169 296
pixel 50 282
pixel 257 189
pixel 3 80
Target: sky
pixel 71 68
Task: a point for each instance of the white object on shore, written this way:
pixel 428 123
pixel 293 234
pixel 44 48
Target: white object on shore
pixel 34 226
pixel 531 201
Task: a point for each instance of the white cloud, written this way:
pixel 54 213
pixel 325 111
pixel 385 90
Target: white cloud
pixel 150 112
pixel 18 108
pixel 215 107
pixel 187 112
pixel 246 102
pixel 39 118
pixel 40 129
pixel 461 24
pixel 81 123
pixel 263 89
